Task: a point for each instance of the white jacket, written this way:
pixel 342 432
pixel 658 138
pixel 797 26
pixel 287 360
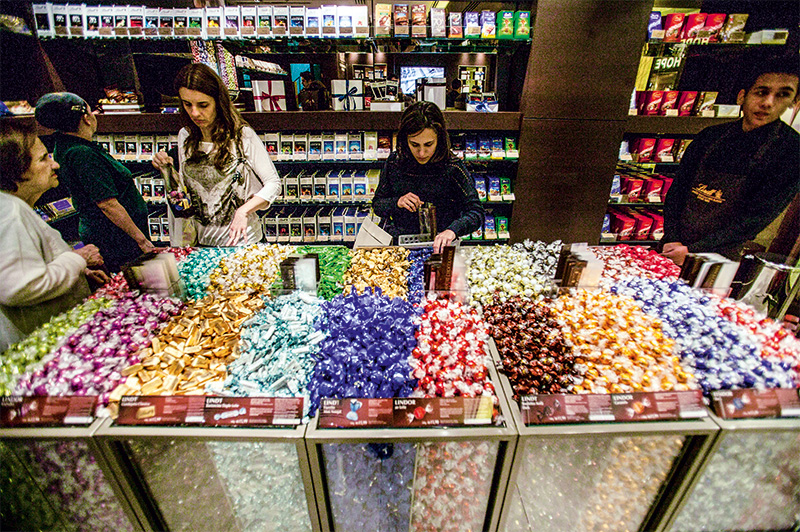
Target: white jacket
pixel 40 276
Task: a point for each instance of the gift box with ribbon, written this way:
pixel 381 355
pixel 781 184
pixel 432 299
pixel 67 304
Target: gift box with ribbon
pixel 432 90
pixel 348 94
pixel 269 95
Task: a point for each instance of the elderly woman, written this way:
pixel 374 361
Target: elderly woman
pixel 41 275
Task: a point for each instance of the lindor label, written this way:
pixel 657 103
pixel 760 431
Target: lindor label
pixel 412 412
pixel 742 404
pixel 17 411
pixel 161 410
pixel 586 408
pixel 240 411
pixel 210 411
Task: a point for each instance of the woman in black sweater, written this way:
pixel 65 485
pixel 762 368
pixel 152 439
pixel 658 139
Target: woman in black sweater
pixel 424 170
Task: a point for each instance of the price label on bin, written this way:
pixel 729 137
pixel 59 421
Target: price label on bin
pixel 18 411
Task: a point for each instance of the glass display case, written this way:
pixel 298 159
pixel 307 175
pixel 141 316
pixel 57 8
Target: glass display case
pixel 750 480
pixel 217 478
pixel 598 476
pixel 59 479
pixel 419 479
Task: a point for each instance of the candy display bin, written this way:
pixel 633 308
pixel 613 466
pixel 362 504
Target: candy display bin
pixel 215 478
pixel 599 476
pixel 418 479
pixel 750 480
pixel 58 478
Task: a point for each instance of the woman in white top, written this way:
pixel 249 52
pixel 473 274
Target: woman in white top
pixel 40 275
pixel 225 168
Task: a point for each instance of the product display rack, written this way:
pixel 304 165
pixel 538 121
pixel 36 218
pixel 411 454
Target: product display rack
pixel 215 478
pixel 748 481
pixel 595 475
pixel 336 493
pixel 38 466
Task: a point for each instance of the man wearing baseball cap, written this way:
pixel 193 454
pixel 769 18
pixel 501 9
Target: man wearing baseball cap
pixel 112 213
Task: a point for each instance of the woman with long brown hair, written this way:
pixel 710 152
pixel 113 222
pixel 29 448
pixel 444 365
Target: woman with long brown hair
pixel 424 170
pixel 224 167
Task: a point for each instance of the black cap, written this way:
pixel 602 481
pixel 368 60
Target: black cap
pixel 61 111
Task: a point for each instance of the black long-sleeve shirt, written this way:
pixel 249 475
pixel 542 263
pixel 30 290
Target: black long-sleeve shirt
pixel 447 185
pixel 764 169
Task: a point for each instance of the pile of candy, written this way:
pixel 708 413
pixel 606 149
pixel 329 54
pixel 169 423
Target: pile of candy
pixel 278 349
pixel 383 268
pixel 196 269
pixel 533 351
pixel 250 269
pixel 450 358
pixel 416 273
pixel 333 262
pixel 91 359
pixel 617 347
pixel 369 340
pixel 505 271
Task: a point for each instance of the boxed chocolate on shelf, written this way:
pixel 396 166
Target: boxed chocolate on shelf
pixel 344 15
pixel 269 95
pixel 673 26
pixel 348 94
pixel 383 20
pixel 693 25
pixel 419 19
pixel 456 26
pixel 264 28
pixel 505 24
pixel 472 25
pixel 522 25
pixel 438 19
pixel 401 20
pixel 488 24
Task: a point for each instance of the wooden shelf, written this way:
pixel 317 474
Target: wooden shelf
pixel 312 121
pixel 671 125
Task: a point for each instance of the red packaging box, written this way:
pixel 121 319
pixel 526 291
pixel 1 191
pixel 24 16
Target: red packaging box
pixel 686 102
pixel 651 189
pixel 666 183
pixel 714 23
pixel 663 150
pixel 693 25
pixel 641 97
pixel 642 226
pixel 657 229
pixel 632 186
pixel 622 225
pixel 673 23
pixel 644 149
pixel 670 101
pixel 652 102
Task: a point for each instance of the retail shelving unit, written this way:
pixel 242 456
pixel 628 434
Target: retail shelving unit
pixel 598 476
pixel 215 478
pixel 414 464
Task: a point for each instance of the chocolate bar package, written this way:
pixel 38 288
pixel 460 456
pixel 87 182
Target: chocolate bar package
pixel 505 24
pixel 383 20
pixel 693 24
pixel 733 30
pixel 686 103
pixel 401 20
pixel 654 25
pixel 669 101
pixel 488 24
pixel 522 25
pixel 713 25
pixel 438 22
pixel 472 25
pixel 663 151
pixel 705 102
pixel 456 26
pixel 419 20
pixel 652 103
pixel 673 25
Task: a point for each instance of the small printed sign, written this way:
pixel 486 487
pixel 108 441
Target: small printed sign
pixel 751 403
pixel 411 412
pixel 587 408
pixel 18 411
pixel 253 411
pixel 161 410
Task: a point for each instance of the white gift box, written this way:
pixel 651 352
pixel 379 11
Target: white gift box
pixel 377 105
pixel 432 90
pixel 269 95
pixel 348 94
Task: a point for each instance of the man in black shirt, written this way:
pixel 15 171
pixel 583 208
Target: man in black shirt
pixel 736 178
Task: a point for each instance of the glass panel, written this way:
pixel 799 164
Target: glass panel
pixel 516 521
pixel 594 482
pixel 264 482
pixel 751 483
pixel 369 485
pixel 68 475
pixel 22 504
pixel 452 478
pixel 224 485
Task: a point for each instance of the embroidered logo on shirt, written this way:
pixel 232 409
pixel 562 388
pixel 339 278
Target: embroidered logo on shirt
pixel 708 195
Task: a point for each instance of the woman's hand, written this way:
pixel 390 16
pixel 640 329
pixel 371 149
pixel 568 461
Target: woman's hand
pixel 99 277
pixel 91 255
pixel 161 160
pixel 442 240
pixel 146 246
pixel 238 228
pixel 410 202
